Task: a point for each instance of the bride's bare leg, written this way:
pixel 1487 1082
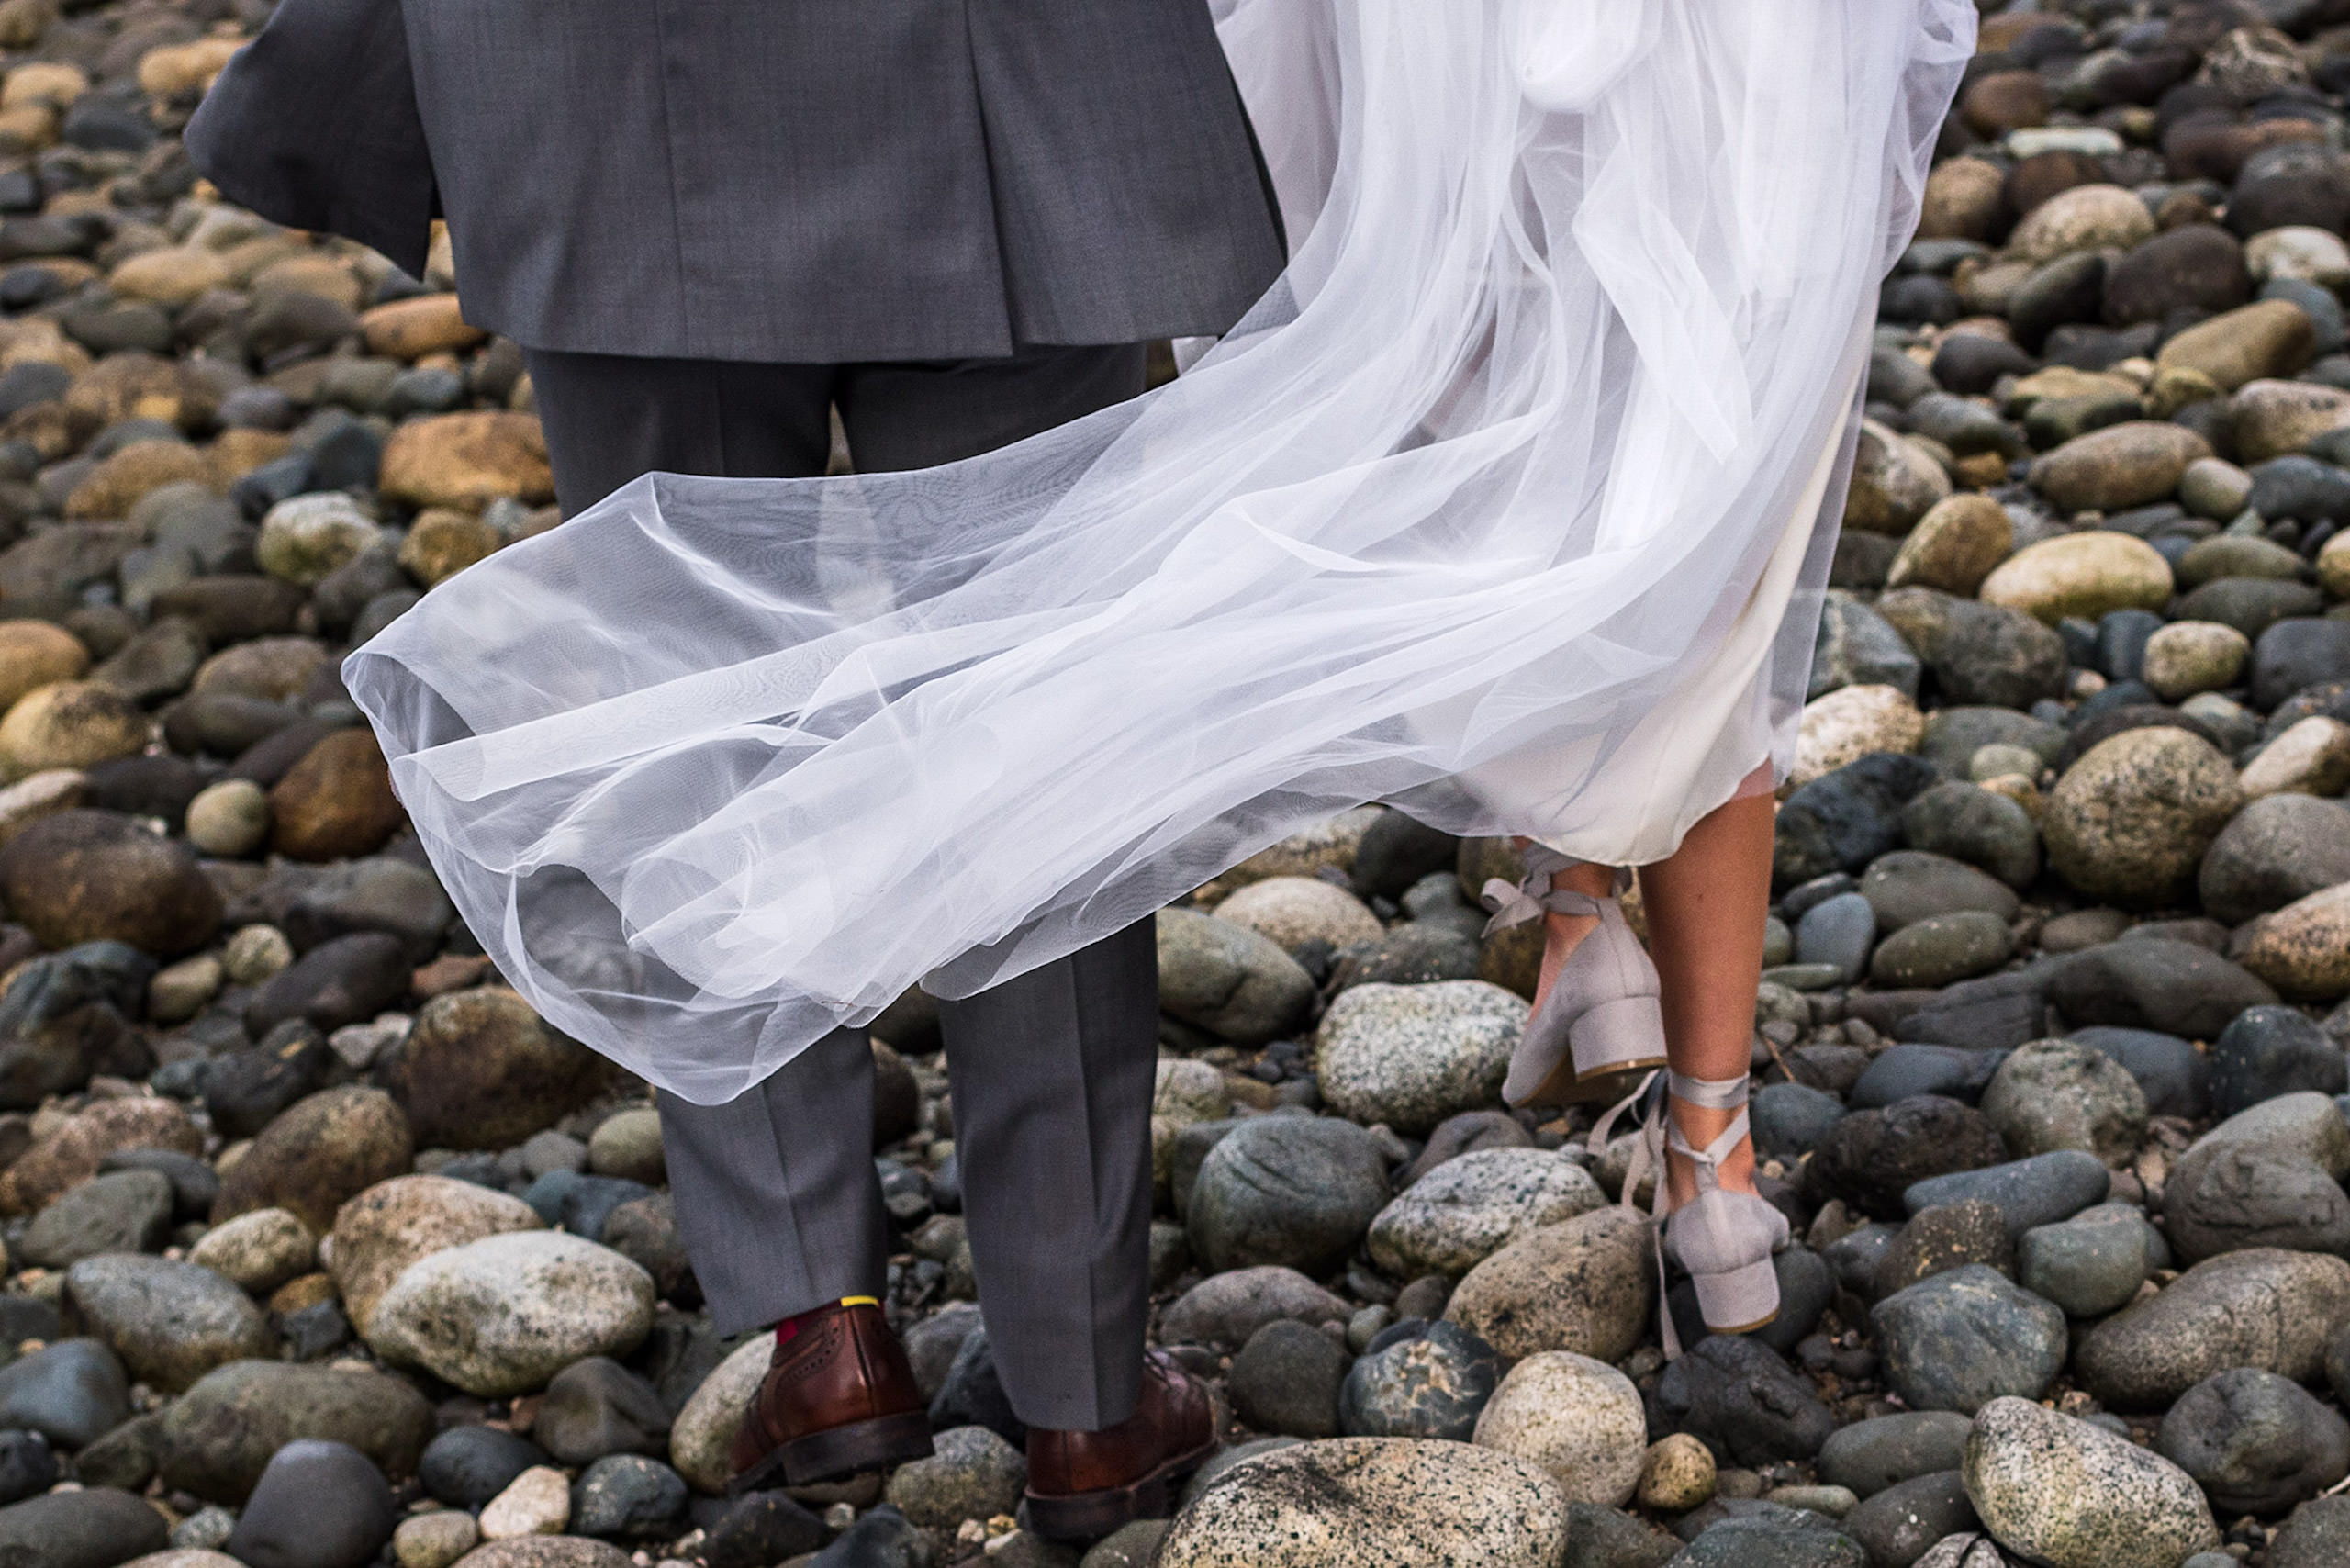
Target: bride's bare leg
pixel 1705 907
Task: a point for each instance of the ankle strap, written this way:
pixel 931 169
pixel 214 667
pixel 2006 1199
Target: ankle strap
pixel 1537 891
pixel 1713 1094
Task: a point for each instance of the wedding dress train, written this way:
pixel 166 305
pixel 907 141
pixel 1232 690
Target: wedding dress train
pixel 1509 505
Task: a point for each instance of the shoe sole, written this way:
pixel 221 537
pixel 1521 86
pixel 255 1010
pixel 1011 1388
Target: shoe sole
pixel 1090 1516
pixel 838 1453
pixel 1564 1087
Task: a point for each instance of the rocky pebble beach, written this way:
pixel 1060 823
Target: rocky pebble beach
pixel 323 1251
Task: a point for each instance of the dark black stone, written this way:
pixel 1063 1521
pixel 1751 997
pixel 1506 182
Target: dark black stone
pixel 1900 1524
pixel 32 381
pixel 99 124
pixel 2066 290
pixel 244 1091
pixel 1396 851
pixel 2297 652
pixel 1286 1380
pixel 973 1395
pixel 1429 1381
pixel 1843 820
pixel 2303 488
pixel 467 1466
pixel 27 1465
pixel 2256 1442
pixel 1907 1069
pixel 319 1505
pixel 344 981
pixel 596 1406
pixel 316 1332
pixel 580 1203
pixel 2269 1051
pixel 2040 1190
pixel 71 1392
pixel 626 1496
pixel 1885 1450
pixel 2122 641
pixel 1970 363
pixel 1741 1400
pixel 882 1539
pixel 94 1528
pixel 65 1017
pixel 1601 1537
pixel 1791 1118
pixel 2150 982
pixel 1871 1158
pixel 760 1528
pixel 2176 1076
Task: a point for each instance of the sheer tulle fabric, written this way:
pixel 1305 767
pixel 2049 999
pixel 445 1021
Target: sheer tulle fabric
pixel 1474 514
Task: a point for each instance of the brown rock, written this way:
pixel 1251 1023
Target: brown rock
pixel 274 669
pixel 441 542
pixel 410 328
pixel 2004 101
pixel 1965 199
pixel 89 875
pixel 467 461
pixel 2273 417
pixel 2121 465
pixel 336 802
pixel 70 1156
pixel 232 607
pixel 480 1069
pixel 320 1152
pixel 1586 1285
pixel 184 67
pixel 171 275
pixel 2303 950
pixel 310 272
pixel 1954 545
pixel 2267 339
pixel 34 653
pixel 379 1233
pixel 237 453
pixel 114 486
pixel 144 387
pixel 2129 820
pixel 70 723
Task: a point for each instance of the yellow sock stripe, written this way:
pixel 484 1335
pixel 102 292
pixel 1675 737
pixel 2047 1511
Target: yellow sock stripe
pixel 859 1301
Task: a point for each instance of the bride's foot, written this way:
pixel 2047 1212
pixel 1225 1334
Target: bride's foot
pixel 1596 1023
pixel 1718 1228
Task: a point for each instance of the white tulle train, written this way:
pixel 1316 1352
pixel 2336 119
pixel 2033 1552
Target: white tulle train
pixel 1503 507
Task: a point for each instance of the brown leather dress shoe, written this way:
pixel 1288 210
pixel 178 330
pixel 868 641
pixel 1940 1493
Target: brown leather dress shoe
pixel 838 1398
pixel 1082 1486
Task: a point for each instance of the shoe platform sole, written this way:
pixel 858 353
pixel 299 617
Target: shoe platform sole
pixel 1090 1516
pixel 839 1452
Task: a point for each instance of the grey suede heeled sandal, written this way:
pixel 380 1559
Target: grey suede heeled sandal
pixel 1599 1026
pixel 1724 1238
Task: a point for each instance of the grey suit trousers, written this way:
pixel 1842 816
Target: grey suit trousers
pixel 1052 1073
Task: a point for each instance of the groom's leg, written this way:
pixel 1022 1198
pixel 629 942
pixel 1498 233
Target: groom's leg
pixel 1052 1072
pixel 776 1194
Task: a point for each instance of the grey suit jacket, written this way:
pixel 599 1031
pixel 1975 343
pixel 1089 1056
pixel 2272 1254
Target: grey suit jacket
pixel 783 180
